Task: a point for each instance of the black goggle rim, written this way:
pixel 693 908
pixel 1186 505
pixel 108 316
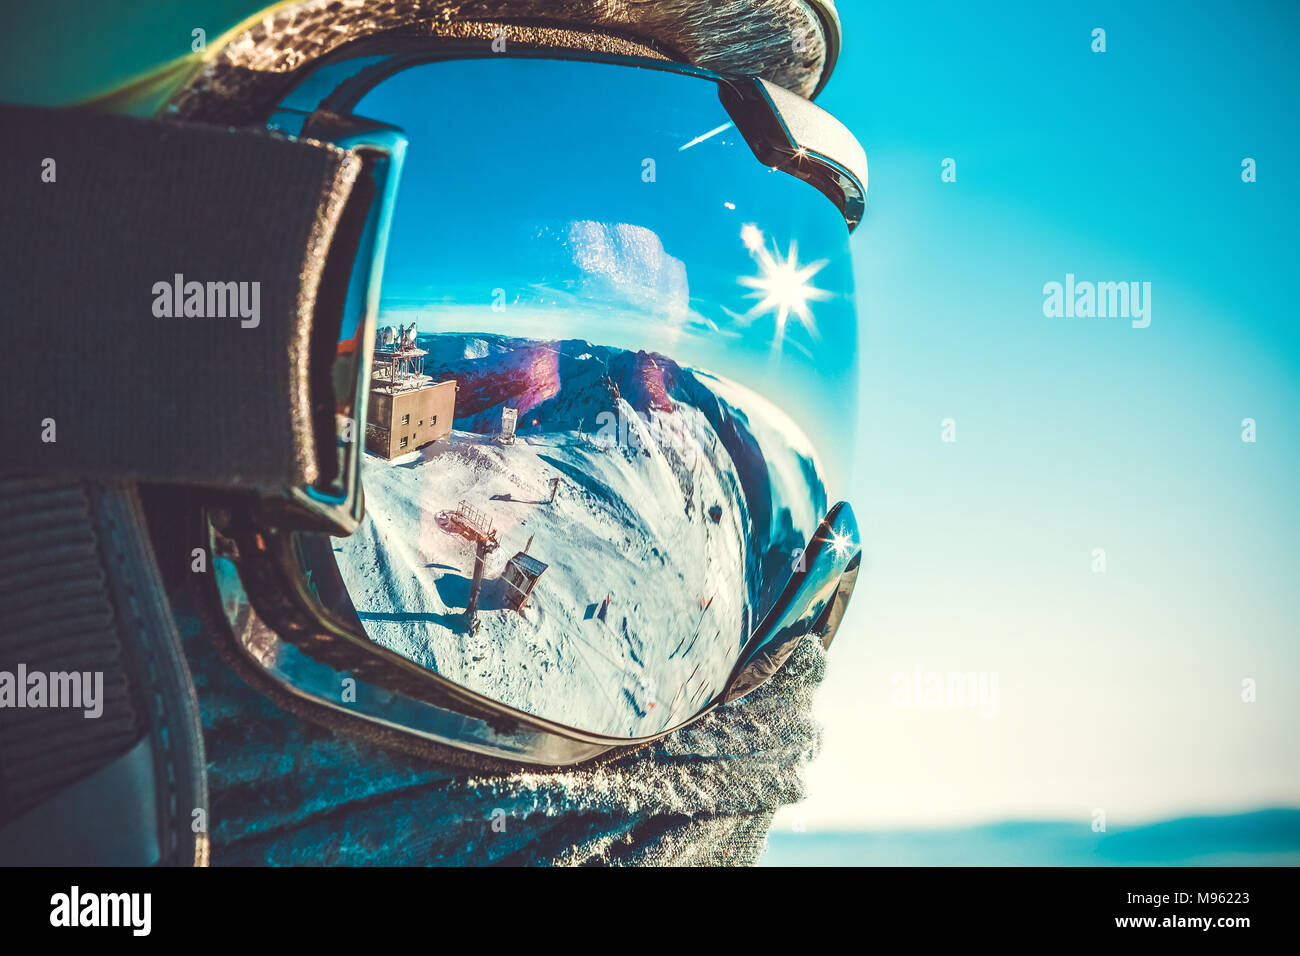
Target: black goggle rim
pixel 823 153
pixel 263 529
pixel 270 573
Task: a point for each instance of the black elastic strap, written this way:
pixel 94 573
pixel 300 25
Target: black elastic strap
pixel 99 215
pixel 56 616
pixel 101 750
pixel 106 819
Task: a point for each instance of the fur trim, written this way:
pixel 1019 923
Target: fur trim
pixel 781 40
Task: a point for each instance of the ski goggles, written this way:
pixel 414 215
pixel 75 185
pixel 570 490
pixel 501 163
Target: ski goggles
pixel 594 389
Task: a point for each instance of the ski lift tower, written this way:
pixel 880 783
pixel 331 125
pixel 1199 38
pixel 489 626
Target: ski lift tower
pixel 476 526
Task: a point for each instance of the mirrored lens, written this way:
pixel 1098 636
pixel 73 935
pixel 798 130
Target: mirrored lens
pixel 612 393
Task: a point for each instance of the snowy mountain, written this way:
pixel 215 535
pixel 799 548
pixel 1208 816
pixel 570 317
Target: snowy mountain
pixel 567 385
pixel 665 516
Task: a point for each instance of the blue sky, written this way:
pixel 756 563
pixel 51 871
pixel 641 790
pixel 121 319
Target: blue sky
pixel 1118 690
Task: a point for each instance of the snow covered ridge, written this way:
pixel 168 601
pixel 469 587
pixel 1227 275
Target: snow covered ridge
pixel 624 543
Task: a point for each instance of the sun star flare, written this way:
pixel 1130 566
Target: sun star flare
pixel 783 286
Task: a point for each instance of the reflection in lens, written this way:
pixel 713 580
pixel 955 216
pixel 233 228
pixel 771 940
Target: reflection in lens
pixel 577 502
pixel 563 526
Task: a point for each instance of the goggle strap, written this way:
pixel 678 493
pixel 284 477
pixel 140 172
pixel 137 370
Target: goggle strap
pixel 166 281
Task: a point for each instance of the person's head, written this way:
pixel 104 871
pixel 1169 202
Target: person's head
pixel 535 422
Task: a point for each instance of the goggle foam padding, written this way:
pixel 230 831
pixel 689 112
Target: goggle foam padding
pixel 783 41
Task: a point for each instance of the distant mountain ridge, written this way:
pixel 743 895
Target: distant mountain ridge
pixel 1269 837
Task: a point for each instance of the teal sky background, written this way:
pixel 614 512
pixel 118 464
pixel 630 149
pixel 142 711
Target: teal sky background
pixel 1119 690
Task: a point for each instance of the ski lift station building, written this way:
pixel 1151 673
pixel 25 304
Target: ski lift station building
pixel 407 409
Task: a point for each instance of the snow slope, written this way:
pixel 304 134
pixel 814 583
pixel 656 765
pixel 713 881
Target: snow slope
pixel 671 503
